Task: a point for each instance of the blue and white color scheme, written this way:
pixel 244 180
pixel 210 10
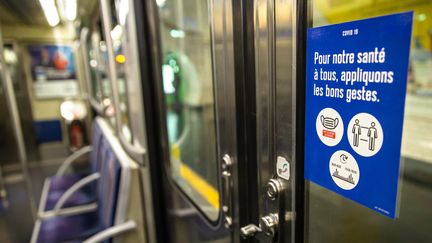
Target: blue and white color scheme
pixel 53 71
pixel 355 94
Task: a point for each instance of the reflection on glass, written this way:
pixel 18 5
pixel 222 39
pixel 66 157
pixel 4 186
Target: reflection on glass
pixel 11 60
pixel 107 101
pixel 188 89
pixel 349 221
pixel 98 65
pixel 93 67
pixel 103 70
pixel 122 46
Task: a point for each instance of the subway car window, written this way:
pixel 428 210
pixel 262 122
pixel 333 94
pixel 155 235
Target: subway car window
pixel 94 62
pixel 11 59
pixel 189 100
pixel 122 53
pixel 105 84
pixel 335 219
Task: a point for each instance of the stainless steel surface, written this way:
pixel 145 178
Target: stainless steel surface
pixel 265 85
pixel 136 151
pixel 227 188
pixel 134 83
pixel 111 69
pixel 193 227
pixel 274 188
pixel 8 149
pixel 17 129
pixel 265 232
pixel 3 192
pixel 97 96
pixel 269 224
pixel 285 68
pixel 275 76
pixel 224 82
pixel 84 36
pixel 249 230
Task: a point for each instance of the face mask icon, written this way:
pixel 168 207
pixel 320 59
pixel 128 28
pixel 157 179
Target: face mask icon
pixel 329 123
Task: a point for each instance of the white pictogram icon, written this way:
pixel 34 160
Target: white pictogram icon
pixel 329 126
pixel 365 134
pixel 344 170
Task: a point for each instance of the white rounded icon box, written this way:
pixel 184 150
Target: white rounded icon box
pixel 329 126
pixel 365 134
pixel 344 170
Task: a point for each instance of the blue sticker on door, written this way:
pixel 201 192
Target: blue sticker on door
pixel 355 94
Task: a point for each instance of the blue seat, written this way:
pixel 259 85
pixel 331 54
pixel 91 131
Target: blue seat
pixel 72 228
pixel 112 188
pixel 56 186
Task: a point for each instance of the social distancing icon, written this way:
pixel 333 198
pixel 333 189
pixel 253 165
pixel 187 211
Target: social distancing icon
pixel 365 134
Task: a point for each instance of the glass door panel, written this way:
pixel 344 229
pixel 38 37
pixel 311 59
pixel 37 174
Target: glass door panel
pixel 189 101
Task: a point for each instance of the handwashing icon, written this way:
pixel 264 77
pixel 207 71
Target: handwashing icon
pixel 329 123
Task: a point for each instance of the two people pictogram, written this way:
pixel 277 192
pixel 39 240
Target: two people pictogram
pixel 372 134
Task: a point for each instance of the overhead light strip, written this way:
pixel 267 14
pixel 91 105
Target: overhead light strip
pixel 68 9
pixel 50 10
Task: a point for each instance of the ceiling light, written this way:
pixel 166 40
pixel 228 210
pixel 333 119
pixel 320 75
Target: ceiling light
pixel 123 10
pixel 50 11
pixel 68 9
pixel 161 3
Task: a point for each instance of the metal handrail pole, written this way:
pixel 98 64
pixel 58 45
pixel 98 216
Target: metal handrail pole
pixel 17 129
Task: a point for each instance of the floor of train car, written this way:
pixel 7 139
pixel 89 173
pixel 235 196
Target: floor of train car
pixel 16 221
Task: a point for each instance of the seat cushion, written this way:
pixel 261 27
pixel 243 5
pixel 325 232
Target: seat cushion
pixel 58 186
pixel 80 197
pixel 64 182
pixel 74 228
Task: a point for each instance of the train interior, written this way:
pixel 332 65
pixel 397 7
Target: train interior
pixel 80 123
pixel 53 166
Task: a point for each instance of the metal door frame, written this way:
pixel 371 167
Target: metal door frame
pixel 280 46
pixel 17 128
pixel 245 87
pixel 238 90
pixel 303 12
pixel 138 149
pixel 148 40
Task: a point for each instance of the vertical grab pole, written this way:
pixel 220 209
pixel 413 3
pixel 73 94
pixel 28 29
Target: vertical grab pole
pixel 17 129
pixel 136 152
pixel 3 192
pixel 112 72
